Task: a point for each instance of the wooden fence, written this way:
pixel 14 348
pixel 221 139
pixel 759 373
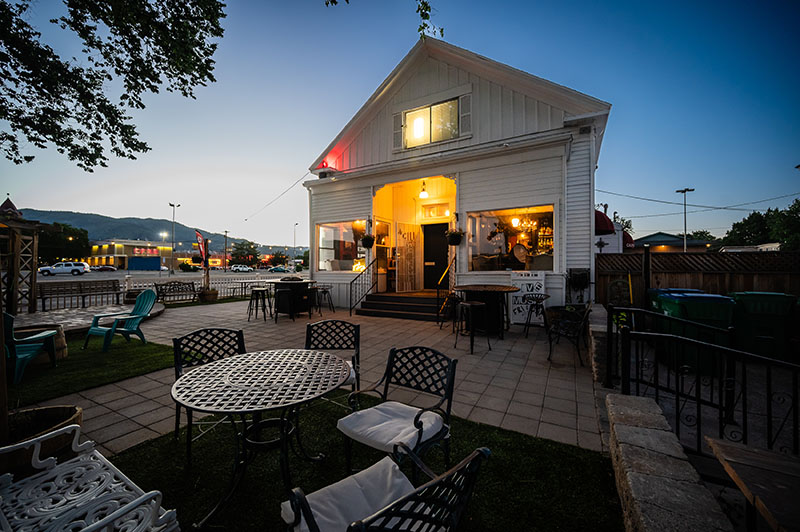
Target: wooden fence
pixel 714 273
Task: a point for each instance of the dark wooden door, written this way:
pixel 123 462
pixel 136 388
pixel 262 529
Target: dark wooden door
pixel 434 254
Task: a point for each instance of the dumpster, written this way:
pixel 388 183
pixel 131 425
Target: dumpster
pixel 652 295
pixel 707 309
pixel 763 323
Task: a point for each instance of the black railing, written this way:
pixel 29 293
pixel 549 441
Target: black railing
pixel 441 304
pixel 709 389
pixel 363 284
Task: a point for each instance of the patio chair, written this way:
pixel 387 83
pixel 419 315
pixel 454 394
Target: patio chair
pixel 126 324
pixel 338 334
pixel 195 349
pixel 569 324
pixel 20 351
pixel 382 498
pixel 390 426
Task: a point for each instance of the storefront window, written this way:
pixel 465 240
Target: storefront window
pixel 511 239
pixel 340 246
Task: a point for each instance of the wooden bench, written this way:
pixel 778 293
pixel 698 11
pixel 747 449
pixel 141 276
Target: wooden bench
pixel 79 289
pixel 86 492
pixel 175 291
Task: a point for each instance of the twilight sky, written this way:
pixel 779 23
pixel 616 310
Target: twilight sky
pixel 704 95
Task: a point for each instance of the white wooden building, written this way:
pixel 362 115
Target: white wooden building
pixel 453 139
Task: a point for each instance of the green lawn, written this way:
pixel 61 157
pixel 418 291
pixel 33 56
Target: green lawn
pixel 528 483
pixel 82 370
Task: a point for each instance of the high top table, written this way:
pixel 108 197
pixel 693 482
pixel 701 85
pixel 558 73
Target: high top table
pixel 494 295
pixel 254 383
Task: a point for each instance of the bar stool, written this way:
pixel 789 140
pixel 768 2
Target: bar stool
pixel 257 296
pixel 284 301
pixel 324 297
pixel 466 315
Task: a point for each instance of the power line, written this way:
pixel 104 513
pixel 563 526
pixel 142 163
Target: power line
pixel 705 208
pixel 279 196
pixel 663 201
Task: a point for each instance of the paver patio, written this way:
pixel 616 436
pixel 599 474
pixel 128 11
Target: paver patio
pixel 512 386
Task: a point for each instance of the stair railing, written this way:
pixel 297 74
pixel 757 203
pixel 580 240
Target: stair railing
pixel 451 282
pixel 363 284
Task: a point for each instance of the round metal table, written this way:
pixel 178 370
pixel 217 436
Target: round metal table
pixel 253 383
pixel 494 295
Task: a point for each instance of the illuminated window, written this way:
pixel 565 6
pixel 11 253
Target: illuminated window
pixel 511 239
pixel 431 124
pixel 339 246
pixel 436 210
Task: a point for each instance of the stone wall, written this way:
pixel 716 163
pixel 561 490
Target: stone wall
pixel 597 342
pixel 658 487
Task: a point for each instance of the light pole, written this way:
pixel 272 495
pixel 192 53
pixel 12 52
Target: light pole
pixel 225 253
pixel 684 191
pixel 294 245
pixel 172 249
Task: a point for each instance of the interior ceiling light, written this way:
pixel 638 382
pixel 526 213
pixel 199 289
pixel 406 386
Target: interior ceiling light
pixel 419 128
pixel 423 194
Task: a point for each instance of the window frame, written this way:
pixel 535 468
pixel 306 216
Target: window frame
pixel 429 107
pixel 317 227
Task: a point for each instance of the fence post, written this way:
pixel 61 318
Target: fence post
pixel 625 363
pixel 609 377
pixel 646 273
pixel 730 378
pixel 128 282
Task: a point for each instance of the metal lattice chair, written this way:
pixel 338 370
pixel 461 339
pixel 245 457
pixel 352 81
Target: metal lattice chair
pixel 195 349
pixel 390 426
pixel 570 324
pixel 338 334
pixel 381 498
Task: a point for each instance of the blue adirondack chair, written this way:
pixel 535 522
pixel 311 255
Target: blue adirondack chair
pixel 20 351
pixel 126 324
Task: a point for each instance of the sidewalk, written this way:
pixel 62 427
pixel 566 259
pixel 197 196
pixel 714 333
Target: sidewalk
pixel 512 386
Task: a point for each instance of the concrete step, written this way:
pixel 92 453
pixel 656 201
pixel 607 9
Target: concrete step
pixel 418 316
pixel 399 306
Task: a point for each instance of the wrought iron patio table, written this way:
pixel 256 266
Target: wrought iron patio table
pixel 253 383
pixel 494 295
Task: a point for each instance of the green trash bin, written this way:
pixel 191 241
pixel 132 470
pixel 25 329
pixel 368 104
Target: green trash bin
pixel 707 309
pixel 763 323
pixel 654 293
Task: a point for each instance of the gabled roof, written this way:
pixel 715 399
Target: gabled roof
pixel 666 239
pixel 579 107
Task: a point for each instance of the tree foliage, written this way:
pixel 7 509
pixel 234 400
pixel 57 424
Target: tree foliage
pixel 426 26
pixel 774 225
pixel 142 45
pixel 278 258
pixel 245 252
pixel 63 241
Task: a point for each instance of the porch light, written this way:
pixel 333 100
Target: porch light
pixel 423 194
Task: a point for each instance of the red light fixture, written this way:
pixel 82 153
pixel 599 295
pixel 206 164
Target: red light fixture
pixel 324 164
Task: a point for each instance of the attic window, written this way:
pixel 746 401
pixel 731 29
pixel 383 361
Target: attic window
pixel 434 123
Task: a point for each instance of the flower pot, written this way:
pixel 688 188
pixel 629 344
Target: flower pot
pixel 368 241
pixel 33 422
pixel 206 296
pixel 454 239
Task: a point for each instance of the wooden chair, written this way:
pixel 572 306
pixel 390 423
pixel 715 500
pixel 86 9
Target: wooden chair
pixel 20 351
pixel 338 334
pixel 390 426
pixel 381 498
pixel 195 349
pixel 126 324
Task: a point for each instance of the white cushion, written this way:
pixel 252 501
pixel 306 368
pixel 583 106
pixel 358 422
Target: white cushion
pixel 358 496
pixel 387 424
pixel 352 378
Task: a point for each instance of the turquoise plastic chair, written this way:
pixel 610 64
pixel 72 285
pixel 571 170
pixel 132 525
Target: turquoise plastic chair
pixel 20 351
pixel 127 324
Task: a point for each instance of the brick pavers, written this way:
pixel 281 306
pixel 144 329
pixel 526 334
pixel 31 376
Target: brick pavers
pixel 512 386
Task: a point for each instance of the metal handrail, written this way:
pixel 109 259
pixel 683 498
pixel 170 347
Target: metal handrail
pixel 440 307
pixel 359 282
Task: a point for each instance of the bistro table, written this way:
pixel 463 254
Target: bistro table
pixel 302 296
pixel 251 384
pixel 769 481
pixel 494 295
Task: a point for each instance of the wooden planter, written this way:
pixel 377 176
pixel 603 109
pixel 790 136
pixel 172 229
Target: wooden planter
pixel 207 296
pixel 32 422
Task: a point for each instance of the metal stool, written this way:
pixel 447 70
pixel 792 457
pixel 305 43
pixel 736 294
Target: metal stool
pixel 324 296
pixel 285 296
pixel 466 315
pixel 257 296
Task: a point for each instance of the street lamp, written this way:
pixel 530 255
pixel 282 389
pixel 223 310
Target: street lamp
pixel 684 191
pixel 172 249
pixel 294 245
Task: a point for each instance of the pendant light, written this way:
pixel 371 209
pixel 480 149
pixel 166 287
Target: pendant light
pixel 423 194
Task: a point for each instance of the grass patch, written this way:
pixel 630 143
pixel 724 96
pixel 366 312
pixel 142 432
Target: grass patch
pixel 82 370
pixel 527 484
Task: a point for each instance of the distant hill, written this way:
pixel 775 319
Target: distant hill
pixel 102 227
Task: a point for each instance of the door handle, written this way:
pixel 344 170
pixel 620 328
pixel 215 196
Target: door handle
pixel 430 264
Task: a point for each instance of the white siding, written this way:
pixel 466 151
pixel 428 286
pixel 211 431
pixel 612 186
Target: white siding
pixel 579 210
pixel 341 205
pixel 498 113
pixel 515 185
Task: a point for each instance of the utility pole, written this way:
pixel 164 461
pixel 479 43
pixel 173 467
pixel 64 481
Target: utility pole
pixel 294 246
pixel 225 253
pixel 172 249
pixel 684 191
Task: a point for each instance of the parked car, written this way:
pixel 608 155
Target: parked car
pixel 241 268
pixel 106 268
pixel 164 269
pixel 75 268
pixel 279 269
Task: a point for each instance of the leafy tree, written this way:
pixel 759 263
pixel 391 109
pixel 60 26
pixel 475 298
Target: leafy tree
pixel 143 45
pixel 774 225
pixel 426 27
pixel 278 258
pixel 305 258
pixel 627 225
pixel 245 252
pixel 750 231
pixel 63 241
